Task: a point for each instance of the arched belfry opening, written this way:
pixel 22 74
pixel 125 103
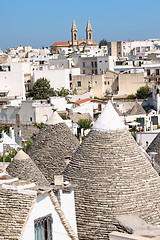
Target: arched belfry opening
pixel 74 33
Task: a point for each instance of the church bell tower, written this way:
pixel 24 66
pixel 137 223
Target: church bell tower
pixel 74 34
pixel 88 32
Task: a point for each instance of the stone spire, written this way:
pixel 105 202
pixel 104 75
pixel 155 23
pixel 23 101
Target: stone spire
pixel 112 177
pixel 74 28
pixel 88 28
pixel 89 31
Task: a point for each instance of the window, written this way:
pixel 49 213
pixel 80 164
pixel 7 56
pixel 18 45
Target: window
pixel 95 64
pixel 90 36
pixel 105 83
pixel 31 119
pixel 43 228
pixel 79 84
pixel 84 64
pixel 70 77
pixel 157 71
pixel 84 72
pixel 138 49
pixel 92 64
pixel 96 71
pixel 108 82
pixel 95 82
pixel 75 37
pixel 92 71
pixel 148 72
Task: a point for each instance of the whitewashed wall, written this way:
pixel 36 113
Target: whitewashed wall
pixel 13 82
pixel 68 207
pixel 43 207
pixel 84 108
pixel 57 78
pixel 59 103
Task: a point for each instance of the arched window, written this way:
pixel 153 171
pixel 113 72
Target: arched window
pixel 90 36
pixel 75 36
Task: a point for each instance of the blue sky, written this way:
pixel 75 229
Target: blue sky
pixel 42 22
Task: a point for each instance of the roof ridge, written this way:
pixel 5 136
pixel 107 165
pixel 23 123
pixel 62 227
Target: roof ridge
pixel 62 216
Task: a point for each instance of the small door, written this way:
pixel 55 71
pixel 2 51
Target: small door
pixel 99 107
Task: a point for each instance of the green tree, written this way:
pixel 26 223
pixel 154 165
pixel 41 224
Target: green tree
pixel 103 42
pixel 42 89
pixel 131 96
pixel 40 125
pixel 27 144
pixel 85 123
pixel 63 92
pixel 1 69
pixel 139 120
pixel 143 92
pixel 8 156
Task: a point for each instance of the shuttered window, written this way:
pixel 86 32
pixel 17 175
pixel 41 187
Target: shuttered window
pixel 43 228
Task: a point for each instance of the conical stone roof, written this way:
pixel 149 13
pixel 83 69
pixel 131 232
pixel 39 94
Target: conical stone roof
pixel 54 119
pixel 24 168
pixel 137 109
pixel 155 147
pixel 112 177
pixel 53 147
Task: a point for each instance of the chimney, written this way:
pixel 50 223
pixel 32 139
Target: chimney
pixel 58 180
pixel 2 134
pixel 11 133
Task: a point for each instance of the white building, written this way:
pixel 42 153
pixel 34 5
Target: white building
pixel 27 113
pixel 95 65
pixel 31 111
pixel 14 80
pixel 123 49
pixel 35 214
pixel 45 209
pixel 58 78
